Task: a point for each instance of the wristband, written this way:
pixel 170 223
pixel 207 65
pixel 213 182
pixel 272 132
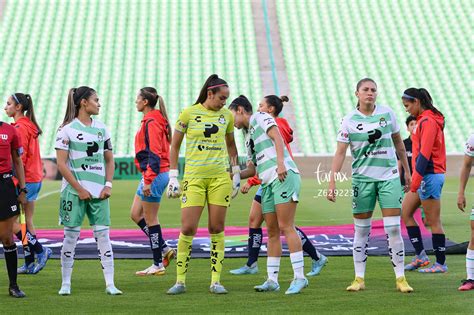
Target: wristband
pixel 173 173
pixel 235 169
pixel 108 184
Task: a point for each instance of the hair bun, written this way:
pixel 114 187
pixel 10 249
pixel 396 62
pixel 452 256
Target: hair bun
pixel 284 98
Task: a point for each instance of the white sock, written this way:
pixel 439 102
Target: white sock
pixel 297 262
pixel 101 234
pixel 273 268
pixel 396 249
pixel 71 235
pixel 360 244
pixel 470 263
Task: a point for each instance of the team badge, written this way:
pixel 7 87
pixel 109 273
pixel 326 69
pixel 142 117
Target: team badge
pixel 354 205
pixel 100 137
pixel 252 130
pixel 221 119
pixel 382 122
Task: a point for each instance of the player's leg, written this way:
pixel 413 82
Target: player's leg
pixel 98 212
pixel 193 200
pixel 71 214
pixel 430 195
pixel 410 204
pixel 255 237
pixel 218 199
pixel 363 204
pixel 10 253
pixel 468 284
pixel 273 248
pixel 318 259
pixel 390 200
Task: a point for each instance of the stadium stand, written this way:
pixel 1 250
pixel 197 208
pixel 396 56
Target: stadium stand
pixel 118 47
pixel 329 45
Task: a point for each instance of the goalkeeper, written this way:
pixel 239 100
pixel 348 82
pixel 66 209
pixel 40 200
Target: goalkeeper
pixel 209 130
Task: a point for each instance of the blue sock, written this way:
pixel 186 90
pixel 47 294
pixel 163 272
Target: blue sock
pixel 254 243
pixel 439 247
pixel 154 237
pixel 414 234
pixel 308 247
pixel 28 251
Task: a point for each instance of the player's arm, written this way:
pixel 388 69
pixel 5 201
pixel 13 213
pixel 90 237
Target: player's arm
pixel 463 178
pixel 249 171
pixel 20 174
pixel 336 167
pixel 402 155
pixel 232 149
pixel 109 174
pixel 61 159
pixel 275 135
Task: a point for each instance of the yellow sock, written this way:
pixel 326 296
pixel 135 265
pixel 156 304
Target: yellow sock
pixel 183 256
pixel 217 256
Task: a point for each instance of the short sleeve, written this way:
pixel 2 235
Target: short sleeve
pixel 62 139
pixel 343 133
pixel 395 125
pixel 182 122
pixel 230 125
pixel 108 141
pixel 469 151
pixel 265 121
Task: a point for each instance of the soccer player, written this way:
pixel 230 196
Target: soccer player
pixel 281 184
pixel 20 108
pixel 373 134
pixel 467 284
pixel 10 151
pixel 209 131
pixel 274 108
pixel 86 162
pixel 429 166
pixel 152 153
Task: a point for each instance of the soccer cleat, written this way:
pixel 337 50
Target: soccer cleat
pixel 245 270
pixel 466 285
pixel 296 286
pixel 217 288
pixel 356 285
pixel 152 271
pixel 42 259
pixel 15 292
pixel 403 286
pixel 65 290
pixel 317 265
pixel 418 261
pixel 267 286
pixel 436 268
pixel 168 257
pixel 26 270
pixel 112 290
pixel 178 288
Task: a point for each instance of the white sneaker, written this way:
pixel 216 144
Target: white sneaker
pixel 65 290
pixel 152 271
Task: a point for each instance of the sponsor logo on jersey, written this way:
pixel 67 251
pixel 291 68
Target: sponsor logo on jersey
pixel 80 137
pixel 208 148
pixel 210 129
pixel 4 137
pixel 14 208
pixel 374 135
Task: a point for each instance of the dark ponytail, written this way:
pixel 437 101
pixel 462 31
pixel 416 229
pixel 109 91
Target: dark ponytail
pixel 27 108
pixel 276 102
pixel 213 84
pixel 151 95
pixel 74 102
pixel 423 96
pixel 241 101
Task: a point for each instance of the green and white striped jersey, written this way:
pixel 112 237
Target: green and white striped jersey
pixel 86 146
pixel 370 139
pixel 469 150
pixel 261 149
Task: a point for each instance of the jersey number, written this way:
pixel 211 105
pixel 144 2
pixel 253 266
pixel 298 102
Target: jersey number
pixel 67 205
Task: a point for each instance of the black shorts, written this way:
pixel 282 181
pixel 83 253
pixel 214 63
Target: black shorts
pixel 8 198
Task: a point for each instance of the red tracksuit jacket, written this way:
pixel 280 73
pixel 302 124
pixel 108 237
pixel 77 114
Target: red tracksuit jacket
pixel 31 157
pixel 287 135
pixel 154 158
pixel 429 150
